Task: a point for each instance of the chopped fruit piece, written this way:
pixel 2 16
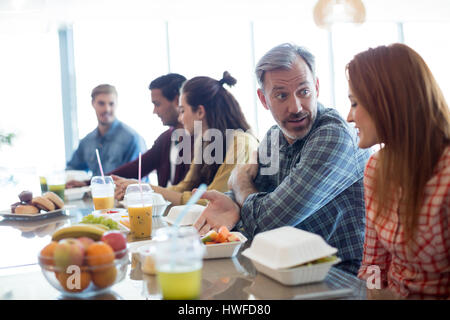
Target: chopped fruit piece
pixel 233 238
pixel 211 236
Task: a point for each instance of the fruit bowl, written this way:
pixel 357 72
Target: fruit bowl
pixel 94 275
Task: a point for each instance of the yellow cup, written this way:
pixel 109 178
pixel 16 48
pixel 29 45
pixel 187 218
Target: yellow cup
pixel 102 189
pixel 103 203
pixel 140 221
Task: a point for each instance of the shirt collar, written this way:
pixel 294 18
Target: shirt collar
pixel 111 131
pixel 284 144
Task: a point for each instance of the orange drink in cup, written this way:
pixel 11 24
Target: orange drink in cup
pixel 102 189
pixel 140 221
pixel 103 203
pixel 139 203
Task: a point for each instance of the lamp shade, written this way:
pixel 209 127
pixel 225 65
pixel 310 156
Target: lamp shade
pixel 328 12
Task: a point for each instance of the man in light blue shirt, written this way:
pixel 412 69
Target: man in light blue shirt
pixel 116 142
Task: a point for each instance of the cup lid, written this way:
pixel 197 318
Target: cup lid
pixel 136 188
pixel 97 180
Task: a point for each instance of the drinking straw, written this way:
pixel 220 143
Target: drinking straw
pixel 139 173
pixel 100 165
pixel 139 179
pixel 201 189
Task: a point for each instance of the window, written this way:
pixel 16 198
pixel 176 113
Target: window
pixel 30 103
pixel 126 54
pixel 31 107
pixel 428 41
pixel 208 48
pixel 349 40
pixel 270 33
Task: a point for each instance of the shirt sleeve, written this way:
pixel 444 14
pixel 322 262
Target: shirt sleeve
pixel 137 145
pixel 240 152
pixel 150 161
pixel 326 168
pixel 77 162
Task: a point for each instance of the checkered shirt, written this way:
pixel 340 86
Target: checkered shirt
pixel 424 270
pixel 318 187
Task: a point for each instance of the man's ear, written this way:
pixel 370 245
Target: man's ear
pixel 176 100
pixel 262 98
pixel 317 87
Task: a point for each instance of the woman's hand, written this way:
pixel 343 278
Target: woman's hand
pixel 121 186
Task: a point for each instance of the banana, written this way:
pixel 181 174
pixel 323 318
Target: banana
pixel 79 230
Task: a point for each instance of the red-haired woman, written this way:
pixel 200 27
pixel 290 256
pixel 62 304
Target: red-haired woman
pixel 396 102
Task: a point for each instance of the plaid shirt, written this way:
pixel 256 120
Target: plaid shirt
pixel 318 187
pixel 425 270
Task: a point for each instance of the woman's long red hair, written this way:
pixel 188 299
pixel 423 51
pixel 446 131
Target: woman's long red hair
pixel 394 84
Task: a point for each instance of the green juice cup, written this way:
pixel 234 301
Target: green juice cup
pixel 56 182
pixel 179 261
pixel 58 189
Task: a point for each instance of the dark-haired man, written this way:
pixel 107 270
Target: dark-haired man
pixel 165 94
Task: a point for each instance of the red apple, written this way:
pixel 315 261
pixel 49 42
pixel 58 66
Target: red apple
pixel 117 241
pixel 68 252
pixel 86 242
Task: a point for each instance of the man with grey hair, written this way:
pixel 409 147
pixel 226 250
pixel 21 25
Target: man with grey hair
pixel 318 182
pixel 116 142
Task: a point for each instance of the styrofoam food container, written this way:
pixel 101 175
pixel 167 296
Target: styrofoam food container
pixel 75 193
pixel 191 216
pixel 226 249
pixel 287 247
pixel 298 275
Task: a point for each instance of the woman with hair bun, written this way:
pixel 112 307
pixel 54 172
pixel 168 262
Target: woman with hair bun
pixel 396 102
pixel 224 141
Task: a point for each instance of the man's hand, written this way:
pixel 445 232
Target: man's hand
pixel 121 186
pixel 221 211
pixel 75 184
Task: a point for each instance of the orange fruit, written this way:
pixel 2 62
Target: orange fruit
pixel 46 254
pixel 104 278
pixel 70 285
pixel 98 254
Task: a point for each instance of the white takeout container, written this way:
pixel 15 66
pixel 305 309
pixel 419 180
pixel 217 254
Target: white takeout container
pixel 226 249
pixel 287 247
pixel 298 275
pixel 191 216
pixel 79 175
pixel 76 193
pixel 280 254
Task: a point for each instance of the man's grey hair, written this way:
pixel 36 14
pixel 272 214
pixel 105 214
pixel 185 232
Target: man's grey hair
pixel 283 57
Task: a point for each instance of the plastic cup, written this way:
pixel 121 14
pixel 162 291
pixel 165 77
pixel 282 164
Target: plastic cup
pixel 139 203
pixel 43 183
pixel 102 189
pixel 56 182
pixel 179 261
